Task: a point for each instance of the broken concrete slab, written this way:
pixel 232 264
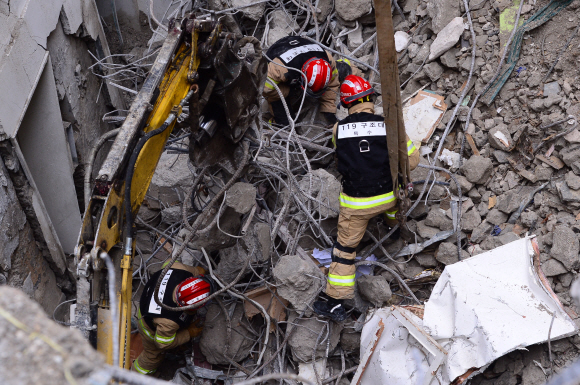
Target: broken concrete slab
pixel 551 89
pixel 443 13
pixel 303 340
pixel 214 346
pixel 254 12
pixel 325 189
pixel 31 340
pixel 171 180
pixel 572 180
pixel 566 194
pixel 241 197
pixel 374 289
pixel 565 247
pixel 447 253
pixel 496 217
pixel 447 37
pixel 433 70
pixel 349 10
pixel 299 281
pixel 477 169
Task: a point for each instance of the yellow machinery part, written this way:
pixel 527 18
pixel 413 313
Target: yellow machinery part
pixel 173 89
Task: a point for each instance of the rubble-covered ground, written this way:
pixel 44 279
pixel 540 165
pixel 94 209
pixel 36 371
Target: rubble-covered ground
pixel 516 174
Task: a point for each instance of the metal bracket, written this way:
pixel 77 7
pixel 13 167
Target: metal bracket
pixel 83 265
pixel 364 146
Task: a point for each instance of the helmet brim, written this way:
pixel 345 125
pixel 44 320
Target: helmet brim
pixel 351 99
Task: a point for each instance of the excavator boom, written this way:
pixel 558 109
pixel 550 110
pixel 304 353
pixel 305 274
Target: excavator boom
pixel 196 67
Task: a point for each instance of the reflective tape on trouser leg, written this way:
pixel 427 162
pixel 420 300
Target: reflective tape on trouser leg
pixel 139 369
pixel 391 214
pixel 341 280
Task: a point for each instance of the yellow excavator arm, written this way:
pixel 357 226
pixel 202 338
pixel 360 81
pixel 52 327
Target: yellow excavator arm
pixel 175 81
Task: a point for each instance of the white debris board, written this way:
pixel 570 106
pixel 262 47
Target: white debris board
pixel 422 114
pixel 480 309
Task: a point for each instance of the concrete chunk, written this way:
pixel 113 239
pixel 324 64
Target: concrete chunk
pixel 299 281
pixel 477 169
pixel 447 38
pixel 241 197
pixel 374 289
pixel 565 247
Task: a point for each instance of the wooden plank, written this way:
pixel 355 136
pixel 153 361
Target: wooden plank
pixel 552 161
pixel 492 201
pixel 391 91
pixel 472 144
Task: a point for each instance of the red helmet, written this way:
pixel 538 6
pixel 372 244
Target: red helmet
pixel 193 290
pixel 354 88
pixel 318 73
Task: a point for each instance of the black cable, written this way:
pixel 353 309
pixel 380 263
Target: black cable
pixel 131 170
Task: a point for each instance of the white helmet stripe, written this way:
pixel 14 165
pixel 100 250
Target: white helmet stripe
pixel 313 77
pixel 198 298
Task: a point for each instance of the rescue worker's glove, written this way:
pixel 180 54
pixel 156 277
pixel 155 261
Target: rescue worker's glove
pixel 195 328
pixel 280 115
pixel 330 117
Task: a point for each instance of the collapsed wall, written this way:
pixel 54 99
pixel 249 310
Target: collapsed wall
pixel 50 118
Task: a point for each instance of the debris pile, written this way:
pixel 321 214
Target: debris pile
pixel 491 95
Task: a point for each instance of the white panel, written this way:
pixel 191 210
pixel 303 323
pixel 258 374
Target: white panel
pixel 43 144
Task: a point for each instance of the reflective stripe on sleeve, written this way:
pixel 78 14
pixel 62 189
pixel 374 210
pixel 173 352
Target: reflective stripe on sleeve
pixel 334 73
pixel 345 60
pixel 366 203
pixel 143 329
pixel 411 147
pixel 341 280
pixel 271 81
pixel 164 340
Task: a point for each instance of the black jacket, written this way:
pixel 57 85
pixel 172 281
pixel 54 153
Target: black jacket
pixel 363 155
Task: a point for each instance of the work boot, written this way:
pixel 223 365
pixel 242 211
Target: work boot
pixel 333 309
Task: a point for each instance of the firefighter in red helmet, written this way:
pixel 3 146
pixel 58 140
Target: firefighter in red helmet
pixel 298 65
pixel 367 187
pixel 162 329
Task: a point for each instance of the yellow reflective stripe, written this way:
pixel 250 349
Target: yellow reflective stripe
pixel 411 147
pixel 139 369
pixel 366 203
pixel 345 60
pixel 334 73
pixel 164 340
pixel 142 325
pixel 270 80
pixel 333 141
pixel 341 280
pixel 391 214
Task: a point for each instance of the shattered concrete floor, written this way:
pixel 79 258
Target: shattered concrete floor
pixel 499 172
pixel 516 173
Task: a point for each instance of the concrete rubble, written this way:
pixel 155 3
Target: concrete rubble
pixel 512 170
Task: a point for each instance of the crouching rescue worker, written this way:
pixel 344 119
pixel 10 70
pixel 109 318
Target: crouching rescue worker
pixel 367 188
pixel 345 68
pixel 161 329
pixel 310 68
